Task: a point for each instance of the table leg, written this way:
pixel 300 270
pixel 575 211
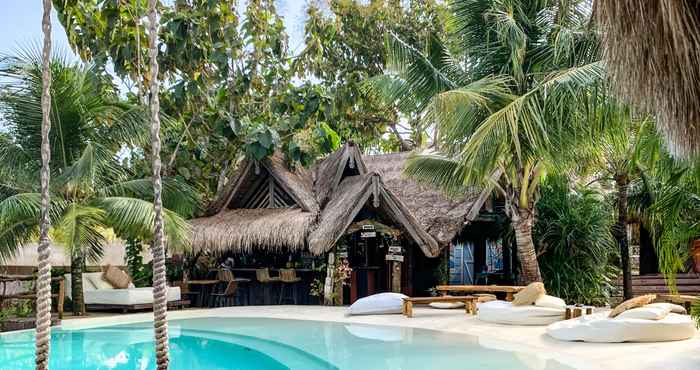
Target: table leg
pixel 408 309
pixel 509 296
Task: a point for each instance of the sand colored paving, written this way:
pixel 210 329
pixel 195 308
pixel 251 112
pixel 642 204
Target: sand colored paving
pixel 683 355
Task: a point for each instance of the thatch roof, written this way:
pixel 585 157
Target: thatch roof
pixel 241 230
pixel 441 216
pixel 331 169
pixel 652 51
pixel 297 182
pixel 352 194
pixel 343 183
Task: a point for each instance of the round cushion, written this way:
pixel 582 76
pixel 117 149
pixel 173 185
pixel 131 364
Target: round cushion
pixel 378 304
pixel 502 312
pixel 446 305
pixel 599 328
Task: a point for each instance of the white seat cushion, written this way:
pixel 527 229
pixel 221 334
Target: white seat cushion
pixel 378 304
pixel 645 313
pixel 599 328
pixel 675 308
pixel 98 282
pixel 446 305
pixel 127 296
pixel 551 302
pixel 502 312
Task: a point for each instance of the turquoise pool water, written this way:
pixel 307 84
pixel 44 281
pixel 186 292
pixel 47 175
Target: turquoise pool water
pixel 268 344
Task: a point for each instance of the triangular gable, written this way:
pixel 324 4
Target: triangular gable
pixel 344 162
pixel 352 194
pixel 268 184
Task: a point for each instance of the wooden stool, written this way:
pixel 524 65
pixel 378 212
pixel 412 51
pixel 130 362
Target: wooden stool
pixel 289 279
pixel 573 312
pixel 263 276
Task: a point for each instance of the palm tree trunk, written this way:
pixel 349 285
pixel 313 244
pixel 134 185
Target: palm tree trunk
pixel 43 288
pixel 522 225
pixel 160 304
pixel 76 282
pixel 620 231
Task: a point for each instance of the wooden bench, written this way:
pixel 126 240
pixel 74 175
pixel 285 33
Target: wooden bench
pixel 469 303
pixel 507 289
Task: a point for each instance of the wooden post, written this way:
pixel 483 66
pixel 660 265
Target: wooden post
pixel 328 286
pixel 61 297
pixel 509 296
pixel 396 277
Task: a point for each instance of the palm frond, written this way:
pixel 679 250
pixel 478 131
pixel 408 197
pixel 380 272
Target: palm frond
pixel 178 196
pixel 81 230
pixel 135 218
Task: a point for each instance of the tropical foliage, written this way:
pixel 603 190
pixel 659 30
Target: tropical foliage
pixel 500 103
pixel 575 246
pixel 91 192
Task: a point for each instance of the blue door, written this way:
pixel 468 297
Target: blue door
pixel 462 263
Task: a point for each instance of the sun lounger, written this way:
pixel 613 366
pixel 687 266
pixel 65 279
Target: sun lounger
pixel 106 297
pixel 502 312
pixel 600 328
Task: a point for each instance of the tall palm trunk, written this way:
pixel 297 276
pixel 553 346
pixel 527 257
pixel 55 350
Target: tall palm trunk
pixel 43 288
pixel 620 231
pixel 77 265
pixel 522 226
pixel 160 306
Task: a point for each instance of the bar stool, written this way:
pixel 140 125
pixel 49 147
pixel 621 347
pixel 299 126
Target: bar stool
pixel 263 276
pixel 241 295
pixel 289 280
pixel 227 297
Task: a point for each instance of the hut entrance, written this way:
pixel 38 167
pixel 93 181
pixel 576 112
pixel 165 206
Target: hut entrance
pixel 368 243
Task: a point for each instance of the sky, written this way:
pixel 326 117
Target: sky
pixel 20 24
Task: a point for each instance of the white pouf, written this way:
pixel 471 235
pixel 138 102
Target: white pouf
pixel 502 312
pixel 378 304
pixel 599 328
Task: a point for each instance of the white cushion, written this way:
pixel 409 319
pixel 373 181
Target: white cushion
pixel 645 313
pixel 98 282
pixel 502 312
pixel 599 328
pixel 128 296
pixel 551 302
pixel 675 308
pixel 446 305
pixel 377 304
pixel 87 285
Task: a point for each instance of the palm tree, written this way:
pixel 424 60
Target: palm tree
pixel 501 103
pixel 160 303
pixel 91 191
pixel 43 297
pixel 618 149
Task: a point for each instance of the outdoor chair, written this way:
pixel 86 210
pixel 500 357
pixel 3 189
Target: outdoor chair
pixel 242 295
pixel 267 282
pixel 227 297
pixel 289 280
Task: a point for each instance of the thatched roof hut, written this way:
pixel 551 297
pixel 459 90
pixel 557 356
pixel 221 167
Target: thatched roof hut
pixel 652 51
pixel 269 206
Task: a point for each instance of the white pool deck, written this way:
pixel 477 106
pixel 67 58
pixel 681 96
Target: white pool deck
pixel 683 355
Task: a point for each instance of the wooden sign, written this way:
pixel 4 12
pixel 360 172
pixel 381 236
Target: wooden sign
pixel 368 227
pixel 395 249
pixel 368 234
pixel 394 257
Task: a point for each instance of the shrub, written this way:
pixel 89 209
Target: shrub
pixel 574 242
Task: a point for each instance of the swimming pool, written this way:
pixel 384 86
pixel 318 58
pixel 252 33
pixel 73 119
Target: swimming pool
pixel 267 344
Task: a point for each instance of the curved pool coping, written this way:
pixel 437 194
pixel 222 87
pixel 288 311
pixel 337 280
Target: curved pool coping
pixel 680 355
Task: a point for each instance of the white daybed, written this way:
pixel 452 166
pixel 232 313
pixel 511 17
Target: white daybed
pixel 599 328
pixel 100 294
pixel 502 312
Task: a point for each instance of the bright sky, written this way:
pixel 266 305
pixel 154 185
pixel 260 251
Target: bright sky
pixel 20 24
